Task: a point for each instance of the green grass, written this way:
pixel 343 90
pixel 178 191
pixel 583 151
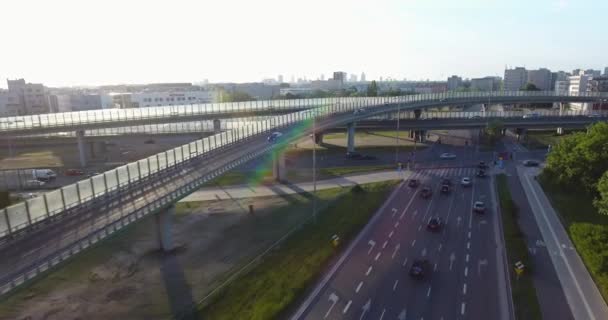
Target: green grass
pixel 284 274
pixel 340 171
pixel 587 229
pixel 542 139
pixel 523 291
pixel 238 177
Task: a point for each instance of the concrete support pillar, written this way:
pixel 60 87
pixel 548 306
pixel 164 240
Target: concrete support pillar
pixel 350 137
pixel 561 109
pixel 422 134
pixel 217 125
pixel 318 138
pixel 81 148
pixel 163 223
pixel 560 130
pixel 279 172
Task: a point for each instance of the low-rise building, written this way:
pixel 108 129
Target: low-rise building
pixel 26 98
pixel 169 98
pixel 454 82
pixel 540 78
pixel 515 79
pixel 485 84
pixel 79 102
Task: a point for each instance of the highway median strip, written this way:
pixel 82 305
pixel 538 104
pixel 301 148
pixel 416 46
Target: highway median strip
pixel 522 286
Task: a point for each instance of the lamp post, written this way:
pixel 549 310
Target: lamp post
pixel 397 134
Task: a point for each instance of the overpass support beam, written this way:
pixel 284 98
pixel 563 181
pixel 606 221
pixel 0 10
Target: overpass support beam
pixel 81 148
pixel 217 125
pixel 163 223
pixel 279 172
pixel 350 137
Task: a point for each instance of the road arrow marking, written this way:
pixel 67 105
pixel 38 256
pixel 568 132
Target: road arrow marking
pixel 366 308
pixel 372 244
pixel 452 258
pixel 540 243
pixel 402 315
pixel 458 220
pixel 423 252
pixel 396 249
pixel 333 298
pixel 394 212
pixel 480 263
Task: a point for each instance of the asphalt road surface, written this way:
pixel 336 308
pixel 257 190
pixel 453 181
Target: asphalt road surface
pixel 464 276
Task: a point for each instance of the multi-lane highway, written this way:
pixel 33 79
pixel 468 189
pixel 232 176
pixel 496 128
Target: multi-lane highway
pixel 466 278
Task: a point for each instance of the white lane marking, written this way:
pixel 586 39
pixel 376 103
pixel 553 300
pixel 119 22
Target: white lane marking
pixel 428 292
pixel 464 288
pixel 395 285
pixel 466 271
pixel 481 263
pixel 372 244
pixel 366 308
pixel 377 256
pixel 554 236
pixel 469 235
pixel 458 219
pixel 384 244
pixel 382 315
pixel 452 258
pixel 347 306
pixel 468 245
pixel 414 242
pixel 440 246
pixel 462 308
pixel 467 258
pixel 333 298
pixel 369 270
pixel 408 206
pixel 471 207
pixel 420 228
pixel 435 267
pixel 359 287
pixel 404 262
pixel 423 253
pixel 396 224
pixel 396 249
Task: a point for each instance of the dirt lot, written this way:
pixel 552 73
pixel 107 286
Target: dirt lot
pixel 126 277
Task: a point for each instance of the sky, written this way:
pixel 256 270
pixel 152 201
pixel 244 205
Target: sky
pixel 96 42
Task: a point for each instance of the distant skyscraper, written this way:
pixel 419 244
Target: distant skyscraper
pixel 340 76
pixel 293 79
pixel 454 82
pixel 593 73
pixel 515 79
pixel 606 72
pixel 353 78
pixel 363 76
pixel 322 77
pixel 280 78
pixel 541 78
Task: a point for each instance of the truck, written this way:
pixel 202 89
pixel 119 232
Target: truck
pixel 43 174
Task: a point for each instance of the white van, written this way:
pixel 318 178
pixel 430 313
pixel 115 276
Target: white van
pixel 43 174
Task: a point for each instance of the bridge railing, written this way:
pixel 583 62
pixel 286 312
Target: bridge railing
pixel 67 119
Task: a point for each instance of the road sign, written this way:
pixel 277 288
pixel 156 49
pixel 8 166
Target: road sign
pixel 519 268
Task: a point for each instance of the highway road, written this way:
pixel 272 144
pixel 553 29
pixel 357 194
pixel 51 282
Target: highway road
pixel 466 279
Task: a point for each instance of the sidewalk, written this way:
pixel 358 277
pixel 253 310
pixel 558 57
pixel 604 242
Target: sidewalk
pixel 246 191
pixel 583 297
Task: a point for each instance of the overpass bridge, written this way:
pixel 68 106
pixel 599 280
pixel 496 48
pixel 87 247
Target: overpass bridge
pixel 41 232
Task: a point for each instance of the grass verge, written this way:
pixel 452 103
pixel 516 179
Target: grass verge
pixel 522 287
pixel 340 171
pixel 542 139
pixel 587 229
pixel 284 274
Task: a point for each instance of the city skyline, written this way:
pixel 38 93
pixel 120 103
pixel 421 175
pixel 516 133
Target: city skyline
pixel 417 40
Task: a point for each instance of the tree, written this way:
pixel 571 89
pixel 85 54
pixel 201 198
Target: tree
pixel 494 131
pixel 372 89
pixel 235 96
pixel 529 87
pixel 601 201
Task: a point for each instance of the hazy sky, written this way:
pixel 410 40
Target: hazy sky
pixel 63 42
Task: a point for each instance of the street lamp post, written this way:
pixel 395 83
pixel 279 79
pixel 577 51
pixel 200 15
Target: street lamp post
pixel 397 134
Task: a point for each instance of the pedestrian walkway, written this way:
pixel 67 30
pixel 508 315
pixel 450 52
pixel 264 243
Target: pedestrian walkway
pixel 246 191
pixel 583 297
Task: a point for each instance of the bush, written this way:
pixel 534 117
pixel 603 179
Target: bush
pixel 592 243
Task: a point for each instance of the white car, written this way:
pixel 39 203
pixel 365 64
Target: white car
pixel 531 115
pixel 274 136
pixel 447 156
pixel 359 111
pixel 465 182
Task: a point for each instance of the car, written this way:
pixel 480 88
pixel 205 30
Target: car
pixel 482 165
pixel 475 117
pixel 358 156
pixel 34 183
pixel 419 268
pixel 434 224
pixel 447 156
pixel 273 137
pixel 595 115
pixel 481 173
pixel 359 111
pixel 445 188
pixel 531 115
pixel 426 193
pixel 530 163
pixel 465 182
pixel 413 183
pixel 149 141
pixel 447 181
pixel 74 172
pixel 479 207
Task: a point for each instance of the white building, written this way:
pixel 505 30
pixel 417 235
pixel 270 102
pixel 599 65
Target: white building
pixel 362 79
pixel 515 79
pixel 577 85
pixel 79 102
pixel 562 86
pixel 541 78
pixel 170 98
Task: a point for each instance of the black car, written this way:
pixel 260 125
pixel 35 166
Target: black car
pixel 434 224
pixel 530 163
pixel 413 183
pixel 446 181
pixel 482 165
pixel 445 188
pixel 481 173
pixel 419 268
pixel 479 207
pixel 426 192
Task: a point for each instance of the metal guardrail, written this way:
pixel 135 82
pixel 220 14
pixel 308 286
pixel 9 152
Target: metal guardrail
pixel 72 199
